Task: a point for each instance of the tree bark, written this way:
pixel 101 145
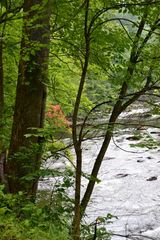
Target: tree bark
pixel 30 99
pixel 1 77
pixel 2 147
pixel 77 142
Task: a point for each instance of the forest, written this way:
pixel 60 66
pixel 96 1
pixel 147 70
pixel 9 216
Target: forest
pixel 79 119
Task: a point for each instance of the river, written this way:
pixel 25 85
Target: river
pixel 129 186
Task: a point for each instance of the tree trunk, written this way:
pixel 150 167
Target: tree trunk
pixel 77 142
pixel 30 99
pixel 2 146
pixel 117 109
pixel 85 200
pixel 2 151
pixel 1 77
pixel 77 209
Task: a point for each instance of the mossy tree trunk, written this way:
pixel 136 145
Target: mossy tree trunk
pixel 2 149
pixel 30 99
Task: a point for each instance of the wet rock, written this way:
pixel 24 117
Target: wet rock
pixel 152 178
pixel 140 160
pixel 155 132
pixel 133 138
pixel 109 158
pixel 141 128
pixel 147 115
pixel 122 175
pixel 120 140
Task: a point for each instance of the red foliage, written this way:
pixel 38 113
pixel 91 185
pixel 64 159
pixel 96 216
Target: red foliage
pixel 57 116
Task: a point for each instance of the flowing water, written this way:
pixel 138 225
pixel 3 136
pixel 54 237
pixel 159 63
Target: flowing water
pixel 129 186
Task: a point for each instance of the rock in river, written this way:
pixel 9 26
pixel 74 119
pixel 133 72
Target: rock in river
pixel 152 178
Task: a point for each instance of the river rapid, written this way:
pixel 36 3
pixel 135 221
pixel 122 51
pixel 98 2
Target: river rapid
pixel 129 186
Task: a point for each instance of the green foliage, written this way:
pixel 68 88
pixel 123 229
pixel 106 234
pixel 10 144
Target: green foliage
pixel 24 220
pixel 111 41
pixel 98 229
pixel 146 141
pixel 11 47
pixel 64 79
pixel 61 204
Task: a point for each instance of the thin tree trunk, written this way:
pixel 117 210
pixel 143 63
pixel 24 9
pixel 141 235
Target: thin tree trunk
pixel 115 113
pixel 30 99
pixel 76 141
pixel 117 109
pixel 81 207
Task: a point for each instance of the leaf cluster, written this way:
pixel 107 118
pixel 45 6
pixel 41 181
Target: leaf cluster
pixel 21 219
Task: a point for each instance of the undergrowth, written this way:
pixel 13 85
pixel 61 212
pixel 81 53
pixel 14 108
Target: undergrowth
pixel 21 219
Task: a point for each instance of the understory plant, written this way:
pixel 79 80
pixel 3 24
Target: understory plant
pixel 21 219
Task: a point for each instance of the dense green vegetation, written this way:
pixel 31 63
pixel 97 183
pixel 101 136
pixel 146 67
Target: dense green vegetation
pixel 63 65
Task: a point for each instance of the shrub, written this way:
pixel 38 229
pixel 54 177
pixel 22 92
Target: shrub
pixel 21 219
